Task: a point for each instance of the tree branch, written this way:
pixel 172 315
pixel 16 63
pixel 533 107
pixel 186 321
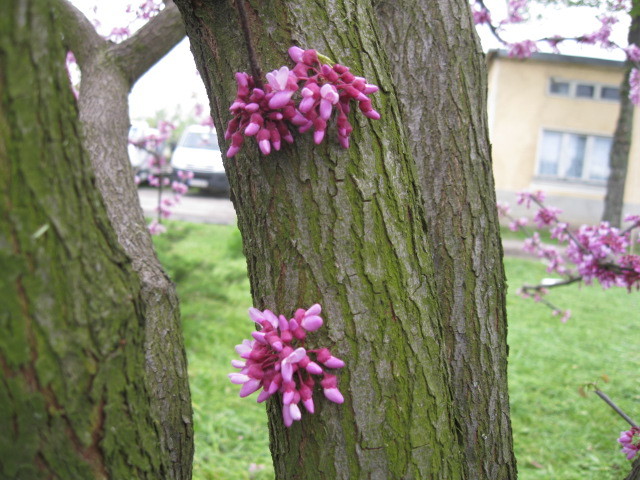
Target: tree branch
pixel 139 53
pixel 80 36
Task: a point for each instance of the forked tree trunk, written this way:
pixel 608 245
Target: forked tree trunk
pixel 348 229
pixel 621 146
pixel 108 72
pixel 74 401
pixel 440 77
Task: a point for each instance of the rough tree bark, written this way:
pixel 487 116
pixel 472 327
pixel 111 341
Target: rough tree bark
pixel 635 471
pixel 108 73
pixel 440 76
pixel 74 402
pixel 621 146
pixel 348 229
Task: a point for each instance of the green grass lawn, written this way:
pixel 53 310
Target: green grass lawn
pixel 559 435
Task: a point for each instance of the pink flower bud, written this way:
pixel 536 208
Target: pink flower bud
pixel 314 368
pixel 280 99
pixel 308 404
pixel 238 378
pixel 294 410
pixel 296 54
pixel 334 395
pixel 263 396
pixel 252 108
pixel 248 388
pixel 310 57
pixel 311 323
pixel 286 416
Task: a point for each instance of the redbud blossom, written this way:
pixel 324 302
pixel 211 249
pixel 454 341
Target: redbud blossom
pixel 277 361
pixel 634 84
pixel 156 228
pixel 319 89
pixel 633 52
pixel 523 49
pixel 630 441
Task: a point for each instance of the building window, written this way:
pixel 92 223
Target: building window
pixel 585 91
pixel 572 156
pixel 559 87
pixel 610 93
pixel 575 89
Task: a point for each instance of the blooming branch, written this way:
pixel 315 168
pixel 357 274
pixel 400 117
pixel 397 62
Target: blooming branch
pixel 597 252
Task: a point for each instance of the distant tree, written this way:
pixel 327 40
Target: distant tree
pixel 622 138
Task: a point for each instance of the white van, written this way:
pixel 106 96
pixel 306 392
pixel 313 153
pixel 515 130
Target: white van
pixel 198 152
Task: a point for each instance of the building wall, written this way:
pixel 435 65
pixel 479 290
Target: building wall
pixel 520 107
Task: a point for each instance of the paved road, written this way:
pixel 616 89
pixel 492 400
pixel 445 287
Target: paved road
pixel 206 208
pixel 193 207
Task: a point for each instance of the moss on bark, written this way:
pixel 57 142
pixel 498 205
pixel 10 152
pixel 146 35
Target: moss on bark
pixel 73 396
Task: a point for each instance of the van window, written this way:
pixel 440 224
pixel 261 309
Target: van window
pixel 200 140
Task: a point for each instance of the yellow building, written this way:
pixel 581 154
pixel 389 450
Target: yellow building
pixel 551 122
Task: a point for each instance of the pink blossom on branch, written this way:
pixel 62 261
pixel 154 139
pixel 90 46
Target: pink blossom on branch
pixel 277 361
pixel 633 53
pixel 523 49
pixel 503 209
pixel 146 9
pixel 630 441
pixel 525 198
pixel 634 84
pixel 518 224
pixel 546 216
pixel 602 35
pixel 516 11
pixel 481 16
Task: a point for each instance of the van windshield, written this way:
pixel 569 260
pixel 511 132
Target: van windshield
pixel 207 141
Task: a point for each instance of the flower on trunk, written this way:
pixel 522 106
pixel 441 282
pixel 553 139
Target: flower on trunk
pixel 277 361
pixel 268 112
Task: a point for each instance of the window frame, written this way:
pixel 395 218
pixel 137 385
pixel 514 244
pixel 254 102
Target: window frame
pixel 598 87
pixel 563 159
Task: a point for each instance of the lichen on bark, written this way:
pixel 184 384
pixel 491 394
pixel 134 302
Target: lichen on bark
pixel 74 401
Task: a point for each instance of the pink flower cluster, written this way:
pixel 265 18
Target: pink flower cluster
pixel 602 34
pixel 525 198
pixel 523 49
pixel 146 9
pixel 634 84
pixel 480 14
pixel 633 52
pixel 516 11
pixel 597 251
pixel 152 144
pixel 267 112
pixel 546 216
pixel 277 361
pixel 630 441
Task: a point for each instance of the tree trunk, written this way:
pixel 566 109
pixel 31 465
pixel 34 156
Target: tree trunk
pixel 635 471
pixel 74 401
pixel 440 75
pixel 108 73
pixel 621 146
pixel 348 229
